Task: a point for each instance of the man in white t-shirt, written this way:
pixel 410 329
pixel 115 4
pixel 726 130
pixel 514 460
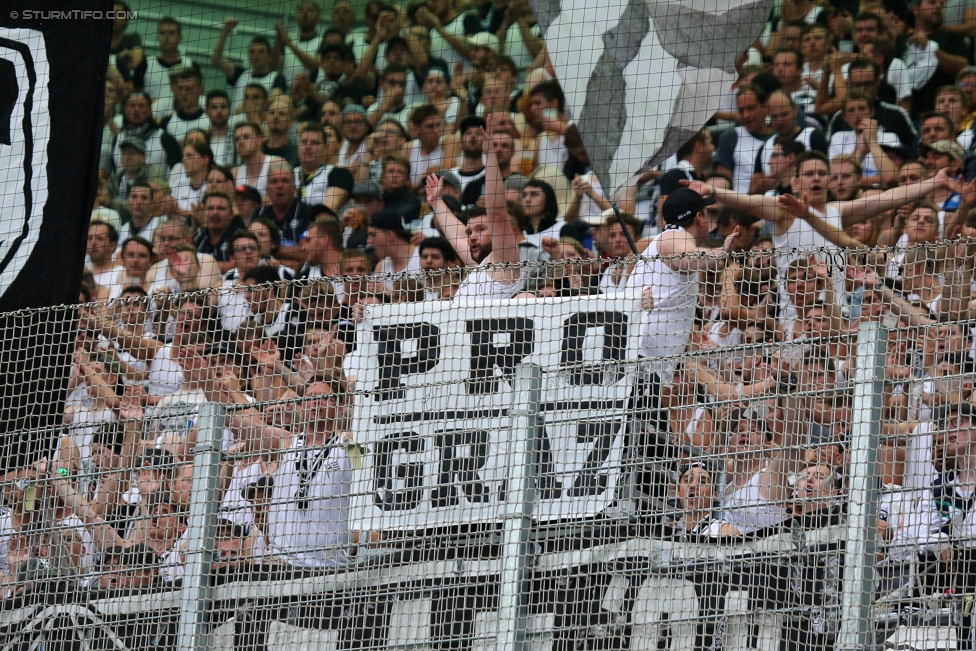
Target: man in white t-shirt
pixel 307 521
pixel 187 85
pixel 448 31
pixel 259 70
pixel 102 241
pixel 299 53
pixel 155 79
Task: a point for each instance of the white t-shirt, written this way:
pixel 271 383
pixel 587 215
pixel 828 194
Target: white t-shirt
pixel 186 195
pixel 292 66
pixel 479 285
pixel 232 307
pixel 552 151
pixel 155 82
pixel 261 183
pixel 165 374
pixel 737 149
pixel 247 77
pixel 668 325
pixel 553 231
pixel 178 126
pixel 178 413
pixel 748 511
pixel 845 142
pixel 146 232
pixel 317 535
pixel 440 48
pixel 412 270
pixel 421 162
pixel 514 46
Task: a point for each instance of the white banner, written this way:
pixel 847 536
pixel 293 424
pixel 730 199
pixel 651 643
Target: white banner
pixel 434 415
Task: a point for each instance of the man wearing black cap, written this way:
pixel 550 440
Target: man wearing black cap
pixel 133 170
pixel 669 272
pixel 472 169
pixel 693 157
pixel 247 201
pixel 391 241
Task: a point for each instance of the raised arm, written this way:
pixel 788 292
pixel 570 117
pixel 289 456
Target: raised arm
pixel 217 59
pixel 444 220
pixel 504 246
pixel 144 348
pixel 103 535
pixel 860 210
pixel 760 205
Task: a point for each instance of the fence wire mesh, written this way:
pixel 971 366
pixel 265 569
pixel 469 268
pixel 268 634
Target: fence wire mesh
pixel 372 352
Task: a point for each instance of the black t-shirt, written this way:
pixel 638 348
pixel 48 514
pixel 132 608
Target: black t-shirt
pixel 221 250
pixel 403 202
pixel 129 41
pixel 473 184
pixel 294 224
pixel 339 90
pixel 289 152
pixel 923 99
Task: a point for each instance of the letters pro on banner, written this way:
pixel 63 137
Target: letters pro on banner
pixel 436 391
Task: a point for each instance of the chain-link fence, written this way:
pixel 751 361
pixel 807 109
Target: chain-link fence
pixel 483 325
pixel 502 473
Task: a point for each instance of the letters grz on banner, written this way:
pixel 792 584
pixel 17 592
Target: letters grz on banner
pixel 435 396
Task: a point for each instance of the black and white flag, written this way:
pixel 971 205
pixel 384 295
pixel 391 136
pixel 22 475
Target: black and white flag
pixel 642 76
pixel 53 61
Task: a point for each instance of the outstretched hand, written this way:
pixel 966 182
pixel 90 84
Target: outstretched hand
pixel 792 205
pixel 434 188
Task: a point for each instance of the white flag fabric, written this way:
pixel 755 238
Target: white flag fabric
pixel 642 76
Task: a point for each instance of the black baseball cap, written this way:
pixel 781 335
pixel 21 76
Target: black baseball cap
pixel 469 121
pixel 388 220
pixel 682 205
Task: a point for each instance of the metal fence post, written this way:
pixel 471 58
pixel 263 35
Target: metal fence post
pixel 193 634
pixel 521 463
pixel 857 631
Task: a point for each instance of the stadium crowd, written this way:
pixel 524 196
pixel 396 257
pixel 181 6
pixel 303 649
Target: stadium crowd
pixel 430 156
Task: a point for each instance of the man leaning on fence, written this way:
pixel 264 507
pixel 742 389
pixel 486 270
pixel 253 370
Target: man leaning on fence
pixel 307 512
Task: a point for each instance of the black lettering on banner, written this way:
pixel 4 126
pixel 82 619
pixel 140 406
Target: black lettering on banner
pixel 9 93
pixel 548 487
pixel 463 468
pixel 393 365
pixel 590 481
pixel 486 356
pixel 398 487
pixel 575 328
